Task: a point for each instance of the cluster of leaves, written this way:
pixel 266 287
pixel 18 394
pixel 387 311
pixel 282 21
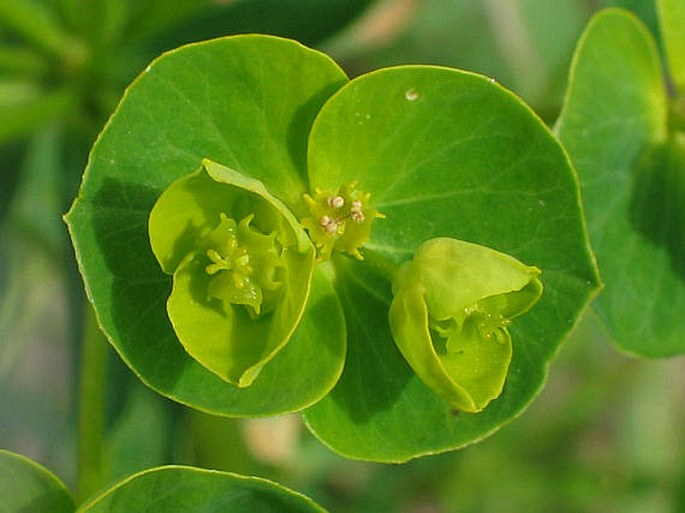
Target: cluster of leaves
pixel 26 486
pixel 443 154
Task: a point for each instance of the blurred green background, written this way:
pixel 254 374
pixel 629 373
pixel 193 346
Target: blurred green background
pixel 606 434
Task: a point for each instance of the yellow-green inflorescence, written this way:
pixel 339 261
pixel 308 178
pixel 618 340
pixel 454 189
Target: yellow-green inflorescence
pixel 339 221
pixel 243 263
pixel 451 309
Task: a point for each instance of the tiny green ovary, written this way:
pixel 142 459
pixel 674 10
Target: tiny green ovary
pixel 339 221
pixel 243 264
pixel 489 327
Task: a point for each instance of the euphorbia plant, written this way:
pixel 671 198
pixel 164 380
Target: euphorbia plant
pixel 398 256
pixel 288 206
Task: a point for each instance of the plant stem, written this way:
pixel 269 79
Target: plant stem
pixel 92 391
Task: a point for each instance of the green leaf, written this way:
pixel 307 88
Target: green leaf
pixel 443 153
pixel 614 127
pixel 671 16
pixel 247 102
pixel 193 490
pixel 239 288
pixel 450 313
pixel 26 487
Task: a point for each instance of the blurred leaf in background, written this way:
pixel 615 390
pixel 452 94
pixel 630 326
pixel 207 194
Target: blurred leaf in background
pixel 525 45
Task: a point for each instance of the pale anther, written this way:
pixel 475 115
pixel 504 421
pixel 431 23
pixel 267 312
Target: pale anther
pixel 358 216
pixel 325 221
pixel 335 201
pixel 332 227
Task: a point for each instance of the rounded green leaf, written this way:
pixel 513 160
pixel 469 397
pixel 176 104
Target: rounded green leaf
pixel 246 102
pixel 239 288
pixel 26 487
pixel 452 305
pixel 614 125
pixel 443 153
pixel 192 490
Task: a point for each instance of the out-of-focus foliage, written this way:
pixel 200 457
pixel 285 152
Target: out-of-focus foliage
pixel 630 157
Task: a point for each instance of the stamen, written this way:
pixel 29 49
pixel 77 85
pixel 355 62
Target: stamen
pixel 340 220
pixel 332 227
pixel 335 201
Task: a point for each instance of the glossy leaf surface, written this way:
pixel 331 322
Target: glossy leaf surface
pixel 443 153
pixel 247 102
pixel 26 487
pixel 632 172
pixel 193 490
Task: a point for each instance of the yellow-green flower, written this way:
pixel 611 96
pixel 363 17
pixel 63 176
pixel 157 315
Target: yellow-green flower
pixel 242 269
pixel 450 314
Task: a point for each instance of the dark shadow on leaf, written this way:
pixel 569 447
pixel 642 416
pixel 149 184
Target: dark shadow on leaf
pixel 49 501
pixel 139 290
pixel 658 203
pixel 375 372
pixel 199 282
pixel 120 214
pixel 138 322
pixel 298 131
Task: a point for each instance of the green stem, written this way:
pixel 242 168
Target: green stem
pixel 39 29
pixel 92 391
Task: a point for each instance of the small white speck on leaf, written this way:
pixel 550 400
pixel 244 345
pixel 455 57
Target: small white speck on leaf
pixel 411 94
